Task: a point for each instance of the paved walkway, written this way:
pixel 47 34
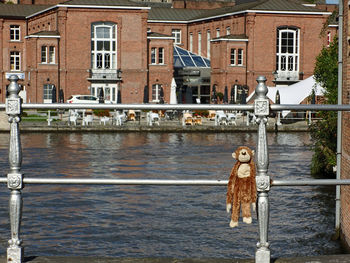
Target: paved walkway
pixel 316 259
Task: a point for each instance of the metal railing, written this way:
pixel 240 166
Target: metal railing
pixel 261 107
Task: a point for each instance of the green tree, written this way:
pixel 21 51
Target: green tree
pixel 324 131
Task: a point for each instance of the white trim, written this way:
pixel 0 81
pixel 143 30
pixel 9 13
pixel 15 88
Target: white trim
pixel 232 40
pixel 172 38
pixel 104 6
pixel 167 21
pixel 289 12
pixel 41 36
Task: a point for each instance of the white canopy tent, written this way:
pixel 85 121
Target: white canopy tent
pixel 293 94
pixel 173 99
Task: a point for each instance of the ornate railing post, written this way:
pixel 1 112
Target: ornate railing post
pixel 14 178
pixel 261 110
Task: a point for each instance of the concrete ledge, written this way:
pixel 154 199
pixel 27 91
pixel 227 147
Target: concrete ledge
pixel 345 258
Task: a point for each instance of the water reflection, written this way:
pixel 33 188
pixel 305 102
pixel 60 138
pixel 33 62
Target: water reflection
pixel 153 221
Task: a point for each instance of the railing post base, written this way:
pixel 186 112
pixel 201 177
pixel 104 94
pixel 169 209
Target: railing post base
pixel 262 255
pixel 15 255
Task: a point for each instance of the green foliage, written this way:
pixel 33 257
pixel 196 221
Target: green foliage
pixel 220 95
pixel 101 113
pixel 324 131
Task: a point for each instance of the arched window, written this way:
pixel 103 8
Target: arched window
pixel 287 51
pixel 104 45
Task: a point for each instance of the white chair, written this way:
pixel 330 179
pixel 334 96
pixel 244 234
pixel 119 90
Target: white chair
pixel 152 118
pixel 104 119
pixel 119 118
pixel 88 119
pixel 231 119
pixel 73 117
pixel 220 118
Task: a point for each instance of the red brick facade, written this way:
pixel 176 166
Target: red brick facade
pixel 240 45
pixel 345 168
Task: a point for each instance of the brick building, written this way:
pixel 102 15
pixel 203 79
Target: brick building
pixel 345 151
pixel 121 46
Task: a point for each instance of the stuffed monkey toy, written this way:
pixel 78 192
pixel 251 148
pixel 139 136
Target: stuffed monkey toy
pixel 241 188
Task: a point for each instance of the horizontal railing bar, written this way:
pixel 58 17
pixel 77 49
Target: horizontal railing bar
pixel 141 106
pixel 122 181
pixel 86 181
pixel 312 107
pixel 310 182
pixel 239 107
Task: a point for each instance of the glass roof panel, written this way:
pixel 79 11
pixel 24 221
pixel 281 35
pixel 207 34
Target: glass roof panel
pixel 189 59
pixel 199 61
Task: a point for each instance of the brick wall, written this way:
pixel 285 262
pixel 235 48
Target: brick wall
pixel 345 169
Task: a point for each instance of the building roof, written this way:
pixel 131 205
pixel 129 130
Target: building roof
pixel 20 11
pixel 102 3
pixel 190 15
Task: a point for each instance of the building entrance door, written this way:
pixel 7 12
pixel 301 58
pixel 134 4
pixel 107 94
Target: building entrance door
pixel 110 91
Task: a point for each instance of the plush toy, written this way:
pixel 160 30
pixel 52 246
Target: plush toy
pixel 241 188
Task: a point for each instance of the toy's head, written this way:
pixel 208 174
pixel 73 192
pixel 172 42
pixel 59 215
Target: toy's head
pixel 243 154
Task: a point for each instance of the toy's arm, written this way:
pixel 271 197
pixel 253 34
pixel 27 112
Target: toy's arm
pixel 230 186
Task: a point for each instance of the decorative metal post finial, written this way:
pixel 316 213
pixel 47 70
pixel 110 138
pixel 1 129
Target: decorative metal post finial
pixel 261 110
pixel 14 177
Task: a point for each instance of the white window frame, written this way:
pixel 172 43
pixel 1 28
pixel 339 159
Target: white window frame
pixel 176 33
pixel 233 57
pixel 15 33
pixel 329 39
pixel 208 43
pixel 228 30
pixel 52 55
pixel 157 55
pixel 199 43
pixel 15 61
pixel 161 56
pixel 218 32
pixel 286 61
pixel 156 92
pixel 104 58
pixel 191 42
pixel 44 54
pixel 240 57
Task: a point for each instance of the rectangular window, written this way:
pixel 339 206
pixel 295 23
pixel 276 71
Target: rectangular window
pixel 52 55
pixel 240 57
pixel 191 42
pixel 233 57
pixel 176 33
pixel 199 43
pixel 156 92
pixel 14 33
pixel 47 93
pixel 228 30
pixel 208 44
pixel 153 55
pixel 15 62
pixel 43 54
pixel 160 55
pixel 329 39
pixel 218 32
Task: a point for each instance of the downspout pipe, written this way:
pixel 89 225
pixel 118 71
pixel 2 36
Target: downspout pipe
pixel 339 115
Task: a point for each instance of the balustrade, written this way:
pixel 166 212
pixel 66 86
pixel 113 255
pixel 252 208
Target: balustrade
pixel 15 180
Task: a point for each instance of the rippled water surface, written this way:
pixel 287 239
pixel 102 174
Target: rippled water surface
pixel 155 221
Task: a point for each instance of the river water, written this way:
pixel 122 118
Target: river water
pixel 156 221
